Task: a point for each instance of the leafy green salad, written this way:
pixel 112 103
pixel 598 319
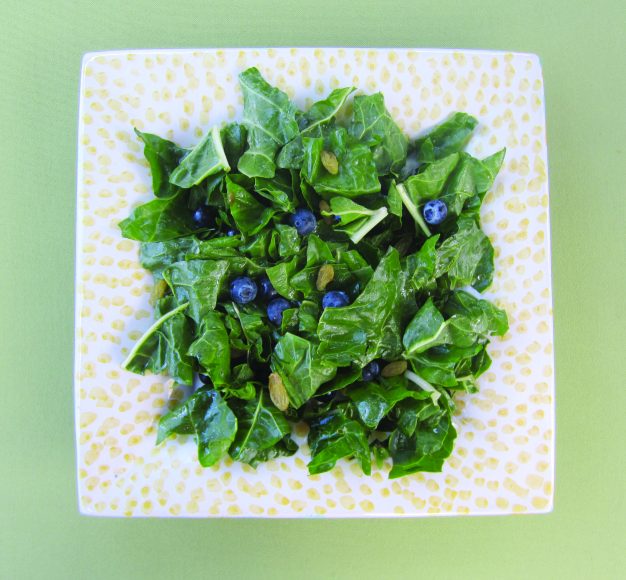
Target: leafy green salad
pixel 317 267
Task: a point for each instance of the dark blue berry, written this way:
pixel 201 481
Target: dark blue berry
pixel 243 290
pixel 275 310
pixel 304 221
pixel 335 299
pixel 267 290
pixel 202 217
pixel 370 371
pixel 336 219
pixel 435 211
pixel 231 233
pixel 205 379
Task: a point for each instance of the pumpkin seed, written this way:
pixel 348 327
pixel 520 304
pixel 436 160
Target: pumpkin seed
pixel 330 163
pixel 278 393
pixel 158 291
pixel 325 276
pixel 393 369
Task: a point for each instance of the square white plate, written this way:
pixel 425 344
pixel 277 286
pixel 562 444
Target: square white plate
pixel 504 457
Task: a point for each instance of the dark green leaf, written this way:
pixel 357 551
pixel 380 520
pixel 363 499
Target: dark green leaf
pixel 485 319
pixel 369 328
pixel 427 329
pixel 333 437
pixel 157 256
pixel 206 416
pixel 374 400
pixel 429 183
pixel 425 451
pixel 372 124
pixel 234 141
pixel 466 257
pixel 198 282
pixel 451 136
pixel 164 346
pixel 270 118
pixel 316 122
pixel 163 157
pixel 357 170
pixel 206 158
pixel 278 190
pixel 300 367
pixel 249 215
pixel 212 349
pixel 159 220
pixel 263 431
pixel 280 276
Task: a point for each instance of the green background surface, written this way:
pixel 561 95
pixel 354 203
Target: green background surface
pixel 582 47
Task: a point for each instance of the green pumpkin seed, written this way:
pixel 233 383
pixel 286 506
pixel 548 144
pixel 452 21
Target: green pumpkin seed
pixel 329 161
pixel 325 276
pixel 393 369
pixel 278 393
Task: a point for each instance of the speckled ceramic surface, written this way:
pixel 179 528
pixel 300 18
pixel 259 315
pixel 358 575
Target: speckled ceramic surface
pixel 504 457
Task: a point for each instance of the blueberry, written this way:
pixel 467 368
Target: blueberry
pixel 304 221
pixel 231 233
pixel 205 379
pixel 336 219
pixel 243 290
pixel 370 371
pixel 435 211
pixel 202 217
pixel 275 310
pixel 335 299
pixel 267 290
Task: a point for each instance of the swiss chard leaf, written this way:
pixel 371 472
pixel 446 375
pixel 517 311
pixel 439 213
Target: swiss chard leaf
pixel 372 124
pixel 421 265
pixel 207 417
pixel 159 220
pixel 280 275
pixel 485 318
pixel 249 215
pixel 278 190
pixel 427 329
pixel 374 400
pixel 368 328
pixel 212 348
pixel 234 141
pixel 206 158
pixel 356 173
pixel 448 137
pixel 263 431
pixel 316 122
pixel 163 157
pixel 466 257
pixel 163 347
pixel 270 119
pixel 157 256
pixel 429 183
pixel 300 367
pixel 333 437
pixel 355 220
pixel 426 450
pixel 197 282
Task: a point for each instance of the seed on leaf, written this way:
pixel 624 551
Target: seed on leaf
pixel 325 209
pixel 393 369
pixel 325 276
pixel 158 291
pixel 330 163
pixel 278 394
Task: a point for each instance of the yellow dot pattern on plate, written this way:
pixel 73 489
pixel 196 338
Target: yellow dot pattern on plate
pixel 503 461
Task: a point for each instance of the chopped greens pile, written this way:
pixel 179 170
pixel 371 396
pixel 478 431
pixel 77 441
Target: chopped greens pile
pixel 317 271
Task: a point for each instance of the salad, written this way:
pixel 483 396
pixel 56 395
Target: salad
pixel 317 267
